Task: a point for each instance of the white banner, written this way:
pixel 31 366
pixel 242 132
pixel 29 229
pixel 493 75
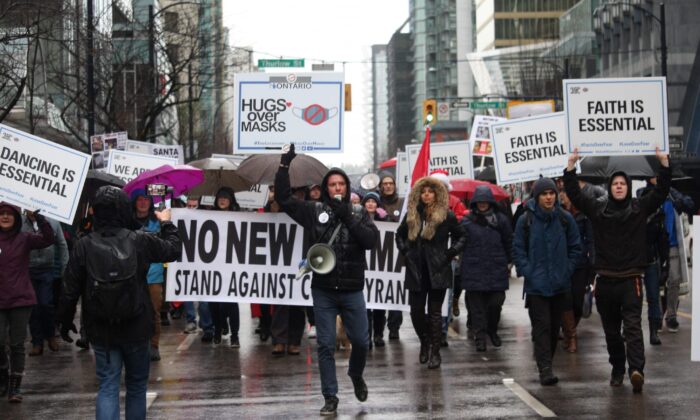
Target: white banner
pixel 617 116
pixel 167 150
pixel 254 198
pixel 695 289
pixel 480 135
pixel 403 181
pixel 38 174
pixel 452 156
pixel 254 257
pixel 273 109
pixel 128 165
pixel 526 148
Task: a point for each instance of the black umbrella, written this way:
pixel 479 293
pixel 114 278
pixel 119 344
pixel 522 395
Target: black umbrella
pixel 599 168
pixel 261 169
pixel 487 174
pixel 96 179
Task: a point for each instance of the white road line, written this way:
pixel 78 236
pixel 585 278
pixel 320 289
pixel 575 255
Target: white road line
pixel 150 397
pixel 485 359
pixel 528 399
pixel 187 342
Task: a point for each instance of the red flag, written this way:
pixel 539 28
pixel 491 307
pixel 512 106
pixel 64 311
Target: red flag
pixel 421 168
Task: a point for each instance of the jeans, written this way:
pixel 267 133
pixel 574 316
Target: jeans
pixel 652 285
pixel 328 304
pixel 205 322
pixel 41 321
pixel 15 320
pixel 545 317
pixel 135 358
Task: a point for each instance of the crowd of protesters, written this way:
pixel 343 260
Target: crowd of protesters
pixel 568 240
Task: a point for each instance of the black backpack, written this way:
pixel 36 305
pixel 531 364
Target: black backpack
pixel 114 293
pixel 528 221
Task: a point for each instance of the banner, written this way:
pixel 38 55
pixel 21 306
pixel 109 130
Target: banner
pixel 274 109
pixel 254 198
pixel 168 150
pixel 453 156
pixel 102 144
pixel 38 174
pixel 480 136
pixel 617 116
pixel 403 181
pixel 527 148
pixel 128 165
pixel 254 257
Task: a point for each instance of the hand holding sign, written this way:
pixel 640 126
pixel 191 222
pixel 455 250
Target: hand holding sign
pixel 163 215
pixel 573 158
pixel 663 157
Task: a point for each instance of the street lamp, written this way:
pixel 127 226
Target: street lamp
pixel 625 7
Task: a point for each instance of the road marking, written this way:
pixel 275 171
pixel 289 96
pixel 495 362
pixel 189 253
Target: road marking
pixel 485 359
pixel 684 314
pixel 527 398
pixel 187 342
pixel 150 397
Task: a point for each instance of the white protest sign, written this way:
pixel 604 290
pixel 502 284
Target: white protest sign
pixel 254 198
pixel 526 148
pixel 695 290
pixel 274 109
pixel 452 156
pixel 403 182
pixel 168 150
pixel 102 144
pixel 254 257
pixel 617 116
pixel 480 135
pixel 38 174
pixel 128 165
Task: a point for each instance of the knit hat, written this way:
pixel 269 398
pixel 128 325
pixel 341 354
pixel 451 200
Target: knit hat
pixel 542 185
pixel 441 175
pixel 371 196
pixel 354 196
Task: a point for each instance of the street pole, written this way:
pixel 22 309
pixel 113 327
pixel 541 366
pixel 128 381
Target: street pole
pixel 664 47
pixel 152 65
pixel 190 110
pixel 90 68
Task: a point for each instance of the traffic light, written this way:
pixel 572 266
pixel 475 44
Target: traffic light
pixel 429 111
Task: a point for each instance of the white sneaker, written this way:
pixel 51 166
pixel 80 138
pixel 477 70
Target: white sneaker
pixel 190 328
pixel 312 332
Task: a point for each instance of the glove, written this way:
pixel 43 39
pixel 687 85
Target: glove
pixel 381 212
pixel 340 209
pixel 65 330
pixel 287 158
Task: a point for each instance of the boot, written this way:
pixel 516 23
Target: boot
pixel 53 344
pixel 435 340
pixel 15 394
pixel 547 377
pixel 37 350
pixel 420 325
pixel 653 332
pixel 4 382
pixel 424 350
pixel 569 329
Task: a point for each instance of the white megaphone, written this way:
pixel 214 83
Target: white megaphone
pixel 320 259
pixel 369 182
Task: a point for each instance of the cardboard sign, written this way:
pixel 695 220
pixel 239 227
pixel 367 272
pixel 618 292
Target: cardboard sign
pixel 254 198
pixel 128 165
pixel 453 156
pixel 274 109
pixel 480 136
pixel 168 150
pixel 617 116
pixel 254 257
pixel 38 174
pixel 526 148
pixel 403 176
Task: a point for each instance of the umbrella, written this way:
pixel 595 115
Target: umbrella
pixel 215 163
pixel 487 174
pixel 96 179
pixel 304 170
pixel 464 188
pixel 219 173
pixel 391 163
pixel 599 168
pixel 181 178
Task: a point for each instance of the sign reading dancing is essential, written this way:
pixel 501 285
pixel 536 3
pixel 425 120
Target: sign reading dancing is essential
pixel 454 157
pixel 617 116
pixel 38 174
pixel 253 258
pixel 274 109
pixel 128 165
pixel 527 148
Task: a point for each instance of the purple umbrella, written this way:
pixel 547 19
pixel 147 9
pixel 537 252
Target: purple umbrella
pixel 181 178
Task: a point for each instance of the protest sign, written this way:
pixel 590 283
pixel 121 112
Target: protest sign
pixel 617 116
pixel 480 135
pixel 169 150
pixel 524 109
pixel 254 198
pixel 527 148
pixel 403 181
pixel 695 290
pixel 274 109
pixel 102 144
pixel 38 174
pixel 453 156
pixel 128 165
pixel 253 258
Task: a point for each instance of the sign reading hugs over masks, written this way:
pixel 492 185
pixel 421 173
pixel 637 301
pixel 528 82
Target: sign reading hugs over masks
pixel 274 109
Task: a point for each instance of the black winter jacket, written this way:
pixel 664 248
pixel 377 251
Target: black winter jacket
pixel 484 263
pixel 357 233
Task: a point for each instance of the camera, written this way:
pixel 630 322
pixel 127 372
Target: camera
pixel 156 190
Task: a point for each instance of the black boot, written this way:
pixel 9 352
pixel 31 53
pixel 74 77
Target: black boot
pixel 15 394
pixel 435 340
pixel 547 377
pixel 424 350
pixel 330 407
pixel 4 382
pixel 420 325
pixel 653 332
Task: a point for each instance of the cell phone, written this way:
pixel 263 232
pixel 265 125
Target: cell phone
pixel 156 190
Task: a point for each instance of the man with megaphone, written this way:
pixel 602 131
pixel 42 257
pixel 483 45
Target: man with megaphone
pixel 341 234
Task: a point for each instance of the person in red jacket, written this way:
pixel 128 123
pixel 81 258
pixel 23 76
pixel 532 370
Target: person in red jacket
pixel 16 292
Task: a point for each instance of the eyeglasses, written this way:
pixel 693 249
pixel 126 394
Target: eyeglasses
pixel 388 183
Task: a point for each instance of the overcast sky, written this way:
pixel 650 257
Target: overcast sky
pixel 331 30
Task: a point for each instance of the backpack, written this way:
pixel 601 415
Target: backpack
pixel 528 221
pixel 114 292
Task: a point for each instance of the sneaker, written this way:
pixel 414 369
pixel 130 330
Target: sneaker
pixel 547 377
pixel 616 379
pixel 235 344
pixel 672 325
pixel 393 334
pixel 293 350
pixel 53 344
pixel 155 354
pixel 207 337
pixel 330 407
pixel 278 349
pixel 360 388
pixel 379 342
pixel 637 379
pixel 191 328
pixel 82 343
pixel 36 350
pixel 312 334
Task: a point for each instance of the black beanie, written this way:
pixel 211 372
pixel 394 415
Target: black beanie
pixel 542 185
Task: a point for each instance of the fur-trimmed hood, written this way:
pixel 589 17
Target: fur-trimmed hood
pixel 432 216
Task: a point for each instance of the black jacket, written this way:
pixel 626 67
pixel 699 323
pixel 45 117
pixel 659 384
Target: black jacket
pixel 356 235
pixel 619 227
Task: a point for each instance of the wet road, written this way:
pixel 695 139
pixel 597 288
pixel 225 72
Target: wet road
pixel 201 381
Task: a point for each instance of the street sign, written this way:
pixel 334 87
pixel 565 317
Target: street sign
pixel 323 67
pixel 488 105
pixel 297 62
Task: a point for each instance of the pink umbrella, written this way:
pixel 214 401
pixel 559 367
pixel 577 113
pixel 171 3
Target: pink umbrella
pixel 464 188
pixel 391 163
pixel 181 178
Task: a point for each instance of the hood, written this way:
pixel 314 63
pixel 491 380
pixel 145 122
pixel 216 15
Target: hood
pixel 482 194
pixel 140 192
pixel 629 186
pixel 112 208
pixel 324 185
pixel 442 197
pixel 395 195
pixel 622 207
pixel 416 213
pixel 18 216
pixel 227 192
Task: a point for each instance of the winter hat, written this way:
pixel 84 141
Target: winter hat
pixel 4 205
pixel 354 196
pixel 371 196
pixel 441 175
pixel 542 185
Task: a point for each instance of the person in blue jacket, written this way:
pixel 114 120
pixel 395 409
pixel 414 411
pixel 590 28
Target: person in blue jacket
pixel 545 251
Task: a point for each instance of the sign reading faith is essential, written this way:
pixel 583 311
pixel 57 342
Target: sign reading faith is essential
pixel 527 148
pixel 403 176
pixel 128 165
pixel 453 156
pixel 254 257
pixel 274 109
pixel 38 174
pixel 617 116
pixel 169 150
